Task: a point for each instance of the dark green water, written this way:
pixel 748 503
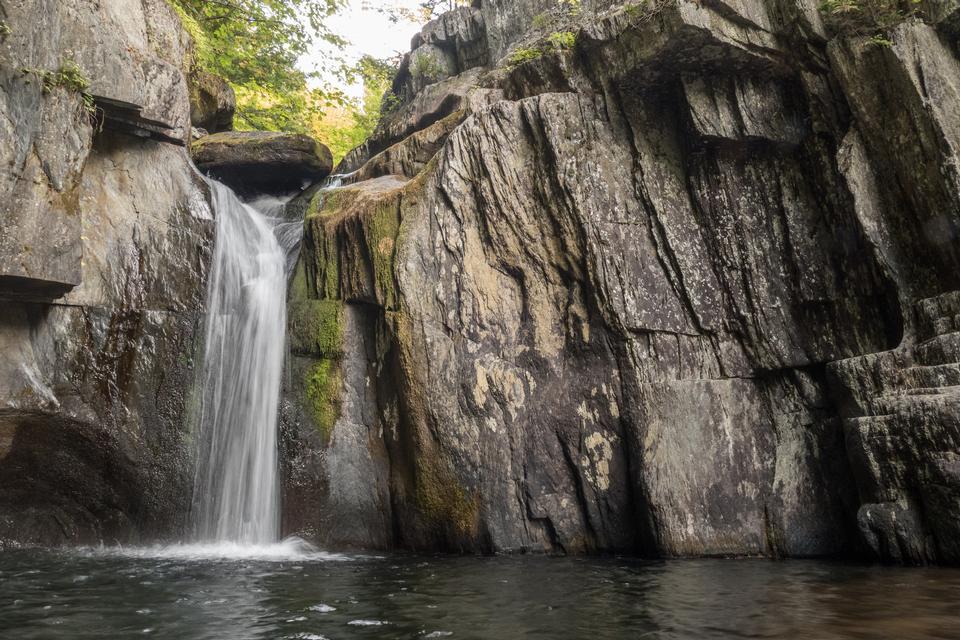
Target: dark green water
pixel 76 595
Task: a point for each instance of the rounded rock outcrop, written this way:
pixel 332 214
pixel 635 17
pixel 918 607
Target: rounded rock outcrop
pixel 260 162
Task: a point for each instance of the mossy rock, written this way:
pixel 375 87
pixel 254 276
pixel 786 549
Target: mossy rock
pixel 315 326
pixel 443 502
pixel 323 387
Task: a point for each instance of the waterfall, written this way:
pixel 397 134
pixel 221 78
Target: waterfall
pixel 236 486
pixel 236 489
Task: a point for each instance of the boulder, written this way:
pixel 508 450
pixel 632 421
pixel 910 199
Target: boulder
pixel 261 162
pixel 212 102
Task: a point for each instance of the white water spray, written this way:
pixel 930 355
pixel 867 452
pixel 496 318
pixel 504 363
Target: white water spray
pixel 236 489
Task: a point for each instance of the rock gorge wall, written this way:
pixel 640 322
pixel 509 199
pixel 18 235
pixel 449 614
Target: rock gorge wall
pixel 105 236
pixel 675 278
pixel 666 277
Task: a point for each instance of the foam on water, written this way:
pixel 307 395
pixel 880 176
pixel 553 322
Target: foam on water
pixel 291 549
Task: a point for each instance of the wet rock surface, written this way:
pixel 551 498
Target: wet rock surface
pixel 259 162
pixel 682 283
pixel 673 278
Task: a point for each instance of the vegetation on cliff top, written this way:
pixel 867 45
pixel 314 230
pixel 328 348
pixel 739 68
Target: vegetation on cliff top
pixel 427 10
pixel 70 77
pixel 255 46
pixel 345 126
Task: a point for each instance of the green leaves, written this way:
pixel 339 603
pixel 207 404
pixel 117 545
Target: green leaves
pixel 255 45
pixel 428 10
pixel 344 127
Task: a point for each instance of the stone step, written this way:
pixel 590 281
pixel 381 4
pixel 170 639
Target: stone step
pixel 938 315
pixel 944 469
pixel 921 400
pixel 929 377
pixel 941 349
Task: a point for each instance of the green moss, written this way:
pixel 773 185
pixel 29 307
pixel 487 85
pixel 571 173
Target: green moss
pixel 443 502
pixel 381 231
pixel 5 29
pixel 299 289
pixel 328 267
pixel 321 241
pixel 562 40
pixel 328 332
pixel 316 326
pixel 317 332
pixel 557 42
pixel 321 247
pixel 327 204
pixel 323 385
pixel 69 77
pixel 524 55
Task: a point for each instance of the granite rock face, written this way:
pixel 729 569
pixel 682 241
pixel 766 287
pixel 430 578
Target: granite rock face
pixel 105 235
pixel 682 282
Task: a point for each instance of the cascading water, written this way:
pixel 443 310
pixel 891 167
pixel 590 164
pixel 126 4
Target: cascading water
pixel 236 489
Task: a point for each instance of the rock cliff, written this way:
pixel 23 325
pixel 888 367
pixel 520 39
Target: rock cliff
pixel 105 235
pixel 673 277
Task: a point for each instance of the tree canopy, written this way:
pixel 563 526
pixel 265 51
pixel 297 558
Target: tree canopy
pixel 343 127
pixel 255 45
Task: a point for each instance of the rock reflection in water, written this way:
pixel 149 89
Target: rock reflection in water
pixel 307 595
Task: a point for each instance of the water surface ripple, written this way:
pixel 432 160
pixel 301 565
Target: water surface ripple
pixel 293 592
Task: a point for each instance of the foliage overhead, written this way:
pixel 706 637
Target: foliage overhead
pixel 345 127
pixel 255 45
pixel 428 9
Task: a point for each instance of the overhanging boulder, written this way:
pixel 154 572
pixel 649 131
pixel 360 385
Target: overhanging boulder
pixel 260 162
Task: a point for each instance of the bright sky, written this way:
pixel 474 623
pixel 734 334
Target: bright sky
pixel 369 32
